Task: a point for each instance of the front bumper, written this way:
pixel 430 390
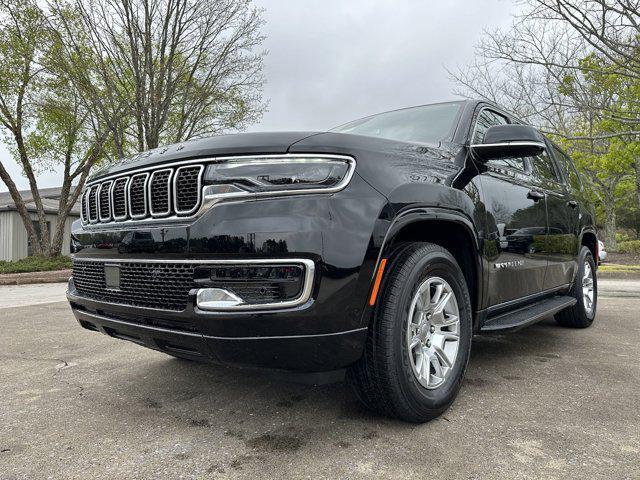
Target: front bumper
pixel 303 353
pixel 325 333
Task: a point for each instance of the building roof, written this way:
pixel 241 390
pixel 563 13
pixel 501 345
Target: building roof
pixel 50 201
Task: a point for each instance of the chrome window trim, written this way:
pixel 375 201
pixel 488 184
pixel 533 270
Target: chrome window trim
pixel 207 201
pixel 169 183
pixel 186 213
pixel 305 294
pixel 126 199
pixel 507 144
pixel 144 194
pixel 109 184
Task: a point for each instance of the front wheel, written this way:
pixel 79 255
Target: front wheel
pixel 585 291
pixel 419 339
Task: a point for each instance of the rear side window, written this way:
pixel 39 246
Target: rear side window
pixel 568 168
pixel 489 118
pixel 544 168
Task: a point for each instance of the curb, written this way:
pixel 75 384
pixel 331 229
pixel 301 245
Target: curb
pixel 55 276
pixel 629 275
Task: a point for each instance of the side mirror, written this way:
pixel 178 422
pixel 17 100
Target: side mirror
pixel 508 141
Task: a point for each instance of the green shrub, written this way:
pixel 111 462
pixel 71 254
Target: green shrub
pixel 36 264
pixel 622 237
pixel 631 246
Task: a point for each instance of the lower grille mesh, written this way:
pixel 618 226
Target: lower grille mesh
pixel 159 285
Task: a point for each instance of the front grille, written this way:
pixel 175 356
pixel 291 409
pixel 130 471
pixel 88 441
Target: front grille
pixel 138 195
pixel 93 203
pixel 160 192
pixel 187 191
pixel 84 206
pixel 105 201
pixel 166 286
pixel 162 286
pixel 119 198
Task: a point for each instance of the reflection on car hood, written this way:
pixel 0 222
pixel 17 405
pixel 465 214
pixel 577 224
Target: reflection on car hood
pixel 235 144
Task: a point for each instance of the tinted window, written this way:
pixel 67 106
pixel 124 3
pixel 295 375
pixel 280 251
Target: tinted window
pixel 489 118
pixel 544 168
pixel 568 168
pixel 426 124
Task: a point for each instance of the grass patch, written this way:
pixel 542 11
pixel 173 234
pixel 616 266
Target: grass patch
pixel 631 246
pixel 612 267
pixel 36 264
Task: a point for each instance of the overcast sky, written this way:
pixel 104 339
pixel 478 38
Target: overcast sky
pixel 331 61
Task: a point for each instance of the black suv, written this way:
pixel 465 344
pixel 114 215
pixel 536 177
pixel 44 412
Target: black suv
pixel 380 247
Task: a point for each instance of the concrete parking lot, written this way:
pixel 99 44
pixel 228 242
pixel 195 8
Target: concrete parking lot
pixel 545 402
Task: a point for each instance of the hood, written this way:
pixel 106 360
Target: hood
pixel 388 164
pixel 234 144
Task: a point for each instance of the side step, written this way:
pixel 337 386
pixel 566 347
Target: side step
pixel 528 314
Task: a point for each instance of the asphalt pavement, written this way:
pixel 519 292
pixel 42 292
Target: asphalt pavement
pixel 544 402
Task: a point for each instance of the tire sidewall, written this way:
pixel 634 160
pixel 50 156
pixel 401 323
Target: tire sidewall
pixel 585 256
pixel 434 264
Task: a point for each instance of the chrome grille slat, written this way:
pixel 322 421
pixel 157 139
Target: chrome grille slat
pixel 84 206
pixel 186 189
pixel 92 203
pixel 152 193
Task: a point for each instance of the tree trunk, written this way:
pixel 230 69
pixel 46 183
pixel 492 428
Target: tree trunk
pixel 22 209
pixel 610 225
pixel 637 167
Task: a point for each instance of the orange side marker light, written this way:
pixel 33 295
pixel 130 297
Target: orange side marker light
pixel 376 284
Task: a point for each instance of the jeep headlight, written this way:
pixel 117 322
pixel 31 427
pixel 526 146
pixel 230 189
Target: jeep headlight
pixel 281 175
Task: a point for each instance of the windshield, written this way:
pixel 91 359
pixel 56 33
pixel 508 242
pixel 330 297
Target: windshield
pixel 426 124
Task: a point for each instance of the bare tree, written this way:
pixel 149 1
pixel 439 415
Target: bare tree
pixel 181 68
pixel 82 81
pixel 43 122
pixel 572 69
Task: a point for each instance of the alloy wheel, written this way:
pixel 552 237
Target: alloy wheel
pixel 433 332
pixel 587 288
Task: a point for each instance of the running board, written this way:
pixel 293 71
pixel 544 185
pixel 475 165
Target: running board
pixel 527 315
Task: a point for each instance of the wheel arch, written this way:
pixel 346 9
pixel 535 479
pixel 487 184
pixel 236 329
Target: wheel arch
pixel 589 239
pixel 450 229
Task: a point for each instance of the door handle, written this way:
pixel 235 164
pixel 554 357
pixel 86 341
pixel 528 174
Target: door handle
pixel 535 195
pixel 572 203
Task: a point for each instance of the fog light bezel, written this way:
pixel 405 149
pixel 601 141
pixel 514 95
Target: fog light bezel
pixel 308 267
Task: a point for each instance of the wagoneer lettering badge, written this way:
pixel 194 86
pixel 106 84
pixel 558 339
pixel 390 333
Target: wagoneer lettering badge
pixel 512 263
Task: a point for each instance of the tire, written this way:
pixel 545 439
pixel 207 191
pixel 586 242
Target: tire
pixel 385 379
pixel 579 316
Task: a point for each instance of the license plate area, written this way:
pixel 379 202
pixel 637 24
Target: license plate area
pixel 112 277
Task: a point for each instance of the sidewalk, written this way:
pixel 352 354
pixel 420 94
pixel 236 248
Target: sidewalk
pixel 34 294
pixel 55 276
